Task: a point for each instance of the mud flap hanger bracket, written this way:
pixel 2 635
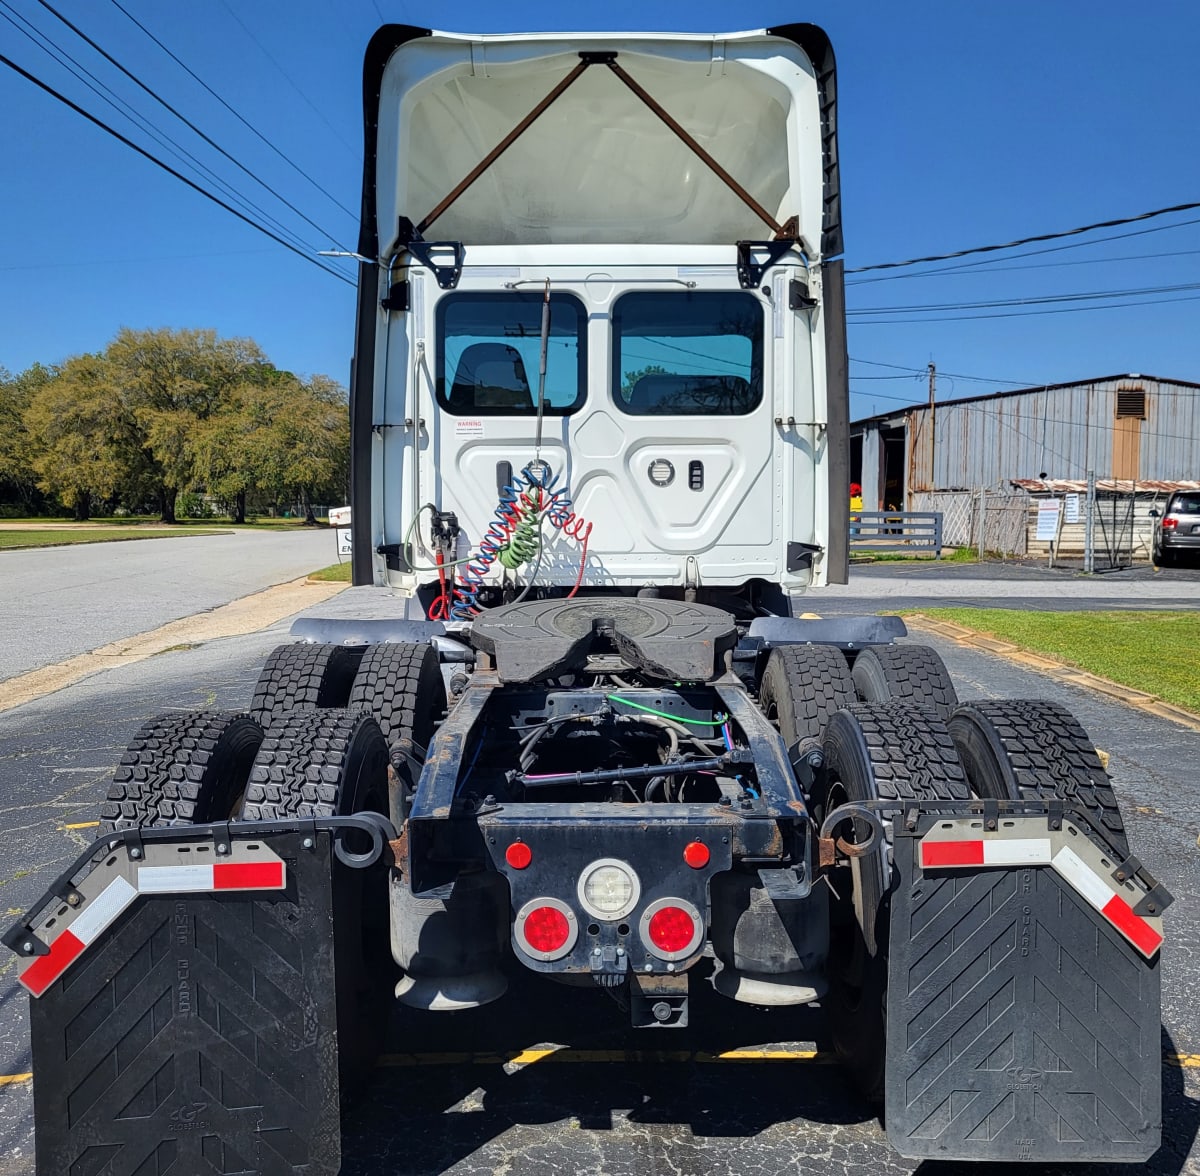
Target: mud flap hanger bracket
pixel 22 939
pixel 985 815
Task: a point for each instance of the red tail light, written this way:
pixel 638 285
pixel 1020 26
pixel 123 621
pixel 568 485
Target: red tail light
pixel 1170 524
pixel 672 928
pixel 546 928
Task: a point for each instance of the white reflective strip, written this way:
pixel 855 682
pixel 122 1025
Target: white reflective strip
pixel 1017 851
pixel 102 910
pixel 1072 867
pixel 173 879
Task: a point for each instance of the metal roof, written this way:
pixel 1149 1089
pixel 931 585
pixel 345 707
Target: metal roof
pixel 1107 485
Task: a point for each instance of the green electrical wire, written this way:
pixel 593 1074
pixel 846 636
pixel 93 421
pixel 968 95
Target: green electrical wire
pixel 664 714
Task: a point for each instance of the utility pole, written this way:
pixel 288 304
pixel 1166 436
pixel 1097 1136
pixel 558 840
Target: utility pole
pixel 932 421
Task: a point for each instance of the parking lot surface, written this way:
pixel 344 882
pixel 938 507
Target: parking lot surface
pixel 550 1079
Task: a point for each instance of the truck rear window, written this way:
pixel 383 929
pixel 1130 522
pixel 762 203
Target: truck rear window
pixel 489 350
pixel 687 354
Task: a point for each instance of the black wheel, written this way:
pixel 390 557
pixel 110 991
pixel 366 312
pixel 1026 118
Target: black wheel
pixel 305 674
pixel 905 673
pixel 1165 559
pixel 887 753
pixel 324 763
pixel 802 688
pixel 182 769
pixel 401 685
pixel 1037 750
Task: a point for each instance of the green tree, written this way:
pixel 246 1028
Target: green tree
pixel 18 477
pixel 170 382
pixel 82 450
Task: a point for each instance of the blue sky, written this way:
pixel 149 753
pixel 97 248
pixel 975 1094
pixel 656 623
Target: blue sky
pixel 961 124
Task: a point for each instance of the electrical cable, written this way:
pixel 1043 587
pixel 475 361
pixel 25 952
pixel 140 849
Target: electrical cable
pixel 186 121
pixel 715 722
pixel 1108 224
pixel 109 96
pixel 248 125
pixel 171 171
pixel 287 77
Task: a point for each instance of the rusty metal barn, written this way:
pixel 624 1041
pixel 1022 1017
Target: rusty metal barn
pixel 1141 432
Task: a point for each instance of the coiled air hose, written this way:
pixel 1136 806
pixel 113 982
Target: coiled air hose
pixel 513 537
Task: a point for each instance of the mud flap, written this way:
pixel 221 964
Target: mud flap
pixel 194 1032
pixel 1023 1007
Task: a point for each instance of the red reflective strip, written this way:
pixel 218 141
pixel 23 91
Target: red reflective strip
pixel 1120 914
pixel 951 853
pixel 248 876
pixel 44 970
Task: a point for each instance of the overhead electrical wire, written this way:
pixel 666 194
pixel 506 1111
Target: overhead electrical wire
pixel 287 77
pixel 245 122
pixel 106 94
pixel 171 171
pixel 1108 224
pixel 958 318
pixel 188 122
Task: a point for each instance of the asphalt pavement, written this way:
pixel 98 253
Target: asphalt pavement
pixel 56 602
pixel 448 1104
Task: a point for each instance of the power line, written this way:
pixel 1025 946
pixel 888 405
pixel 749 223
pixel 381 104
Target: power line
pixel 958 318
pixel 248 125
pixel 288 79
pixel 1108 224
pixel 187 122
pixel 171 171
pixel 112 98
pixel 1042 299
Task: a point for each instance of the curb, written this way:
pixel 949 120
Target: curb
pixel 1060 670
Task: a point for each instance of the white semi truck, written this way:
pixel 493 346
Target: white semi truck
pixel 571 719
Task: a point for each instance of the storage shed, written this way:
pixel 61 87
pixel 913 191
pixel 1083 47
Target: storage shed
pixel 1130 428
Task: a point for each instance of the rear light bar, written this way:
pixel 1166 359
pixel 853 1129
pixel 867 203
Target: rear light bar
pixel 962 844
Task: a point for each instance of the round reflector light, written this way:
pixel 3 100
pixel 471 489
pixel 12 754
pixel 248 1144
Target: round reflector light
pixel 518 855
pixel 695 853
pixel 609 889
pixel 546 928
pixel 672 928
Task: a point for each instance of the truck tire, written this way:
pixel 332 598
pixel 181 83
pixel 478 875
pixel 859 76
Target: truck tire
pixel 400 683
pixel 886 753
pixel 322 763
pixel 802 688
pixel 905 673
pixel 305 674
pixel 182 769
pixel 1036 750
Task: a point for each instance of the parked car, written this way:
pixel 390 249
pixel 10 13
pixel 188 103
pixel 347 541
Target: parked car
pixel 1177 529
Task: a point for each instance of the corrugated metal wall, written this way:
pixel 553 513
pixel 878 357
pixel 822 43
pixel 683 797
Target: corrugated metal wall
pixel 1063 432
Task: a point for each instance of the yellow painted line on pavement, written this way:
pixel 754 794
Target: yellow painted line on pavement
pixel 83 825
pixel 1183 1061
pixel 527 1057
pixel 15 1079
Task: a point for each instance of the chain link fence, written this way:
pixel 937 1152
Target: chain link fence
pixel 994 520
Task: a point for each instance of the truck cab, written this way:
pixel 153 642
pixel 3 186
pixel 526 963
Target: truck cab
pixel 671 203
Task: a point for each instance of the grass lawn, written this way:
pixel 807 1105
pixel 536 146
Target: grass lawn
pixel 11 540
pixel 338 573
pixel 1151 651
pixel 254 524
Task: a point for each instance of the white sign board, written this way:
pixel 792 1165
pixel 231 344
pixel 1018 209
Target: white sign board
pixel 339 519
pixel 1047 520
pixel 1072 512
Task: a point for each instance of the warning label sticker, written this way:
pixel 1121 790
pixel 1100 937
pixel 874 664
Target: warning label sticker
pixel 468 427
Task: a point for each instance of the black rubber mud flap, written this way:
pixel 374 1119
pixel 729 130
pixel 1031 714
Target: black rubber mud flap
pixel 1021 1025
pixel 197 1034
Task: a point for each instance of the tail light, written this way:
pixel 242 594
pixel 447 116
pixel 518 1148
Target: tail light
pixel 1170 524
pixel 672 928
pixel 546 928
